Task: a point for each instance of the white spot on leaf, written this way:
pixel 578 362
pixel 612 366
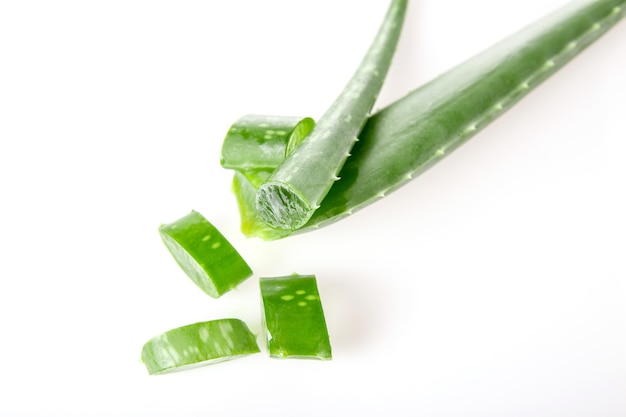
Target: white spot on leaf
pixel 203 333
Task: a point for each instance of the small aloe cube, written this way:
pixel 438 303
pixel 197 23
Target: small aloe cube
pixel 294 318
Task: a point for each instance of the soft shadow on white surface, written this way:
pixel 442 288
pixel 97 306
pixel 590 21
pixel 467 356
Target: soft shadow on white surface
pixel 492 285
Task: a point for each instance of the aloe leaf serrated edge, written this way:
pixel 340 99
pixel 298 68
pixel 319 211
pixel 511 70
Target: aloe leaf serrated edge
pixel 300 183
pixel 412 134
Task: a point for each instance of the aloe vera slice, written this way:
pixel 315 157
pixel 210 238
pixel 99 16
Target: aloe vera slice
pixel 412 134
pixel 204 254
pixel 260 142
pixel 294 318
pixel 198 344
pixel 299 184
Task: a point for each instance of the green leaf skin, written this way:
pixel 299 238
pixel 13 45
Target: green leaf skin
pixel 299 184
pixel 293 318
pixel 261 142
pixel 198 344
pixel 412 134
pixel 409 136
pixel 204 254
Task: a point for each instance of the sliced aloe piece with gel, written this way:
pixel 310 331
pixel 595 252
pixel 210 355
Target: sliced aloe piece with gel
pixel 198 344
pixel 259 142
pixel 294 318
pixel 205 255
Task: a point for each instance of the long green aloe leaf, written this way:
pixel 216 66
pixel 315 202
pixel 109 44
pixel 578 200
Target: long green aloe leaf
pixel 299 184
pixel 412 134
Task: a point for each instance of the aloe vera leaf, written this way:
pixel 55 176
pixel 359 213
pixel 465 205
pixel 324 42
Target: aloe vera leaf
pixel 299 184
pixel 294 318
pixel 262 142
pixel 409 136
pixel 204 254
pixel 198 344
pixel 412 134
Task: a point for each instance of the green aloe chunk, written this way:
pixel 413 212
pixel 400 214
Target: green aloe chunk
pixel 198 344
pixel 204 254
pixel 260 142
pixel 293 318
pixel 303 179
pixel 412 134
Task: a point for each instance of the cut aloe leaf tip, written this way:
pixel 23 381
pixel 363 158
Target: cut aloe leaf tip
pixel 299 184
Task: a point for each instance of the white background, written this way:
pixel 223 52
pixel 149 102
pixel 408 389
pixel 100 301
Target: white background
pixel 492 285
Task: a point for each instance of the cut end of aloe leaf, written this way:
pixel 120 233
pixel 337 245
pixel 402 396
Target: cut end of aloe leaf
pixel 281 207
pixel 198 344
pixel 204 254
pixel 245 192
